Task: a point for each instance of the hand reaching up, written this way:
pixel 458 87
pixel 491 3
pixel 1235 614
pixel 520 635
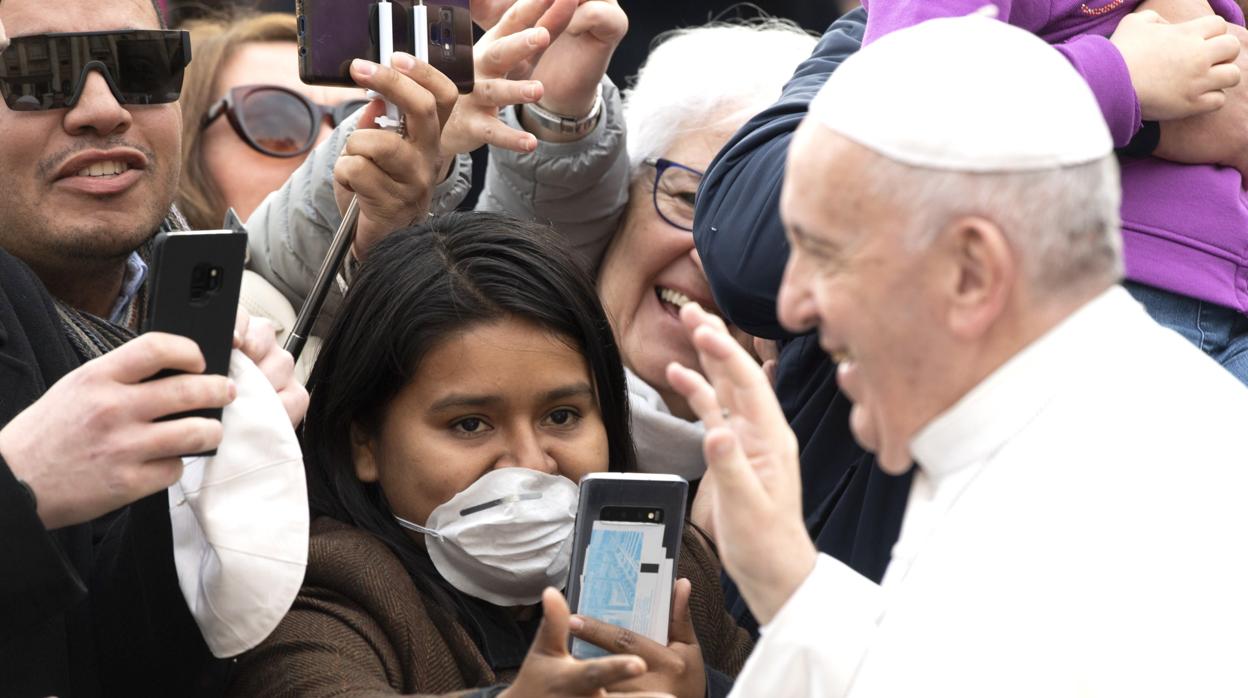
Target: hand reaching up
pixel 504 60
pixel 751 456
pixel 394 175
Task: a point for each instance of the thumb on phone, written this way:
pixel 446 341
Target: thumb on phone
pixel 552 634
pixel 680 628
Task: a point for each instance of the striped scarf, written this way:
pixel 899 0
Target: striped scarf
pixel 93 336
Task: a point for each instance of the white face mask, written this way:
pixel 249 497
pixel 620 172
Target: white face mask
pixel 505 538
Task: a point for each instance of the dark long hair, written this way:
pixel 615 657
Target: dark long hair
pixel 417 287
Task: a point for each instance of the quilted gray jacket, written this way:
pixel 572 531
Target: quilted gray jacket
pixel 579 188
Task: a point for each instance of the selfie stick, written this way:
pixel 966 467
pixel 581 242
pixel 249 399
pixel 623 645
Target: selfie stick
pixel 345 235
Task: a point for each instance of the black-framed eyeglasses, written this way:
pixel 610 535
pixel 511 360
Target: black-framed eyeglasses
pixel 40 72
pixel 275 120
pixel 675 191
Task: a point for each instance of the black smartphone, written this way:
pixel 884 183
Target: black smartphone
pixel 332 33
pixel 193 284
pixel 624 553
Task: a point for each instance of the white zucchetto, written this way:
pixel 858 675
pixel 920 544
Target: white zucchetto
pixel 969 94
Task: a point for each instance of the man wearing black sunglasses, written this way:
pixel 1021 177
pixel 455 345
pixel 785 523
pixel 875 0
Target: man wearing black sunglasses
pixel 90 602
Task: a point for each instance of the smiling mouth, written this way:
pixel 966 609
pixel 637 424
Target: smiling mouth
pixel 672 297
pixel 106 168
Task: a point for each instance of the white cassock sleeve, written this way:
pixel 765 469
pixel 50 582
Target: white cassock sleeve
pixel 815 643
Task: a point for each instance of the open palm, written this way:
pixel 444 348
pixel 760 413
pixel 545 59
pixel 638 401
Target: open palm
pixel 751 454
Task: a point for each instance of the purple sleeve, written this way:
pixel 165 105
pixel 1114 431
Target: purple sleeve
pixel 1105 71
pixel 1228 10
pixel 884 16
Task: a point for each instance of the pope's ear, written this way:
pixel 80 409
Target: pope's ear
pixel 984 271
pixel 362 455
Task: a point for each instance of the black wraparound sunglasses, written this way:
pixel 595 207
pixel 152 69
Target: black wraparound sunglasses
pixel 47 71
pixel 275 120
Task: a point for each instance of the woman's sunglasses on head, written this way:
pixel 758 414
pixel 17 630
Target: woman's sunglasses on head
pixel 277 121
pixel 48 71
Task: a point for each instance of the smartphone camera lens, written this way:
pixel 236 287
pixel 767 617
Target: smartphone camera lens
pixel 205 282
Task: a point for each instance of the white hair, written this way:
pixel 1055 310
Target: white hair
pixel 707 76
pixel 1064 223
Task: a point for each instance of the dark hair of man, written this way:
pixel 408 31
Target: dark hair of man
pixel 416 288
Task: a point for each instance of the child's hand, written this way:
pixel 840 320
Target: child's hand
pixel 1177 70
pixel 1219 137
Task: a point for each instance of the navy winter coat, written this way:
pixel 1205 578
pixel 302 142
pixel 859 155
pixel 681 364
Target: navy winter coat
pixel 853 509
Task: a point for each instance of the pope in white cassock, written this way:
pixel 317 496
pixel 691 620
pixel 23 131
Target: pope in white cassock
pixel 1077 525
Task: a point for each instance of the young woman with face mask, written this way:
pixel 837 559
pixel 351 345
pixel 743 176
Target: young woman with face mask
pixel 470 381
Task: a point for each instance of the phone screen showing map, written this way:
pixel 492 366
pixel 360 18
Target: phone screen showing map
pixel 626 581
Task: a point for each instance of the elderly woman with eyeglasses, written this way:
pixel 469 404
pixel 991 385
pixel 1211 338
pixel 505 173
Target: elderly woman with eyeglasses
pixel 636 202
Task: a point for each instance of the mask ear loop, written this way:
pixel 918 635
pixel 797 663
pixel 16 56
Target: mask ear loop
pixel 418 528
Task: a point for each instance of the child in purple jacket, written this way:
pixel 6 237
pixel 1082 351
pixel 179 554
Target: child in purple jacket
pixel 1185 226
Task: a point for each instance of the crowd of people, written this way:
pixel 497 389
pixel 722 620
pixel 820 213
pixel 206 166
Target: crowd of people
pixel 943 315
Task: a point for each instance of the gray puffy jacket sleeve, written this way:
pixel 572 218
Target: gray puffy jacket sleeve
pixel 289 234
pixel 579 188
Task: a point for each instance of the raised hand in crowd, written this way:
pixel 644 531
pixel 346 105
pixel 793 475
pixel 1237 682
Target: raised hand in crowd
pixel 256 338
pixel 576 62
pixel 1178 70
pixel 549 670
pixel 90 445
pixel 504 60
pixel 752 467
pixel 676 669
pixel 394 175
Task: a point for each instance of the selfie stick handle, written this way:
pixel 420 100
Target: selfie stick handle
pixel 420 29
pixel 338 249
pixel 385 49
pixel 345 235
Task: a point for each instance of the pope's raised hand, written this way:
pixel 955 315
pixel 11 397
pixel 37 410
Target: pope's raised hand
pixel 752 458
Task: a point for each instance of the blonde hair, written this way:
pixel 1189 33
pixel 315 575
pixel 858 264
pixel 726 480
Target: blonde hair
pixel 214 41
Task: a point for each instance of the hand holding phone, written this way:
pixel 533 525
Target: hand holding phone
pixel 677 669
pixel 624 552
pixel 549 671
pixel 193 288
pixel 394 176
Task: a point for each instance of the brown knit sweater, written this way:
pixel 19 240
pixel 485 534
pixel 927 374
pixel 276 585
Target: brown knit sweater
pixel 360 627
